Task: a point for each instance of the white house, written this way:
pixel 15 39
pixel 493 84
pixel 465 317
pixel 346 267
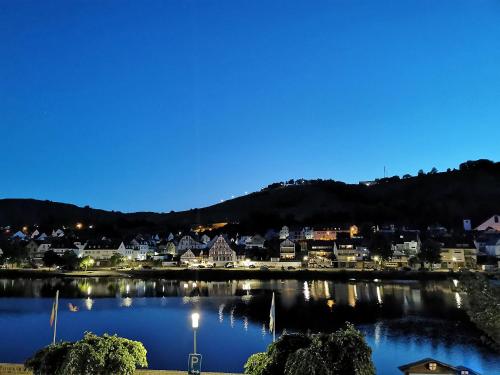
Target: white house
pixel 36 249
pixel 492 223
pixel 42 237
pixel 104 249
pixel 287 250
pixel 61 246
pixel 308 233
pixel 188 242
pixel 488 243
pixel 284 233
pixel 141 249
pixel 221 253
pixel 256 241
pixel 407 242
pixel 191 256
pixel 58 233
pixel 19 235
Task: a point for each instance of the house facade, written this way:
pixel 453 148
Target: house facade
pixel 104 249
pixel 221 253
pixel 433 366
pixel 492 223
pixel 284 233
pixel 191 256
pixel 187 243
pixel 459 256
pixel 287 250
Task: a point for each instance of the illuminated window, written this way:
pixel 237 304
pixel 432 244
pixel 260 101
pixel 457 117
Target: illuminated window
pixel 433 366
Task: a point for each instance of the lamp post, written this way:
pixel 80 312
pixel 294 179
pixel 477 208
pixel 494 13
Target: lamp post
pixel 195 319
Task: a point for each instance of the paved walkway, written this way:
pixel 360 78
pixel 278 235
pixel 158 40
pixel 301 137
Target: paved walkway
pixel 18 369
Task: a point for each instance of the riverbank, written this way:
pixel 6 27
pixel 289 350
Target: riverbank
pixel 18 369
pixel 236 274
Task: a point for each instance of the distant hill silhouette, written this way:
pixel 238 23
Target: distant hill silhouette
pixel 472 191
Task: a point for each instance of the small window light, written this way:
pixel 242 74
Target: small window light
pixel 433 366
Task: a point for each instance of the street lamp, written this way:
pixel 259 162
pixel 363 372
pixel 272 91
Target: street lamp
pixel 195 320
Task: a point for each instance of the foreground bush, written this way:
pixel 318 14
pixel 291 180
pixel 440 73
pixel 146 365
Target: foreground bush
pixel 93 355
pixel 483 305
pixel 343 352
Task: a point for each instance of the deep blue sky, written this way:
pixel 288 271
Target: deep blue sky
pixel 173 104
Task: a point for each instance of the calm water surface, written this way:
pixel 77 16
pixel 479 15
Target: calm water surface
pixel 402 321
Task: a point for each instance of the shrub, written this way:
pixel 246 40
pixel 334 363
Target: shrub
pixel 93 355
pixel 342 352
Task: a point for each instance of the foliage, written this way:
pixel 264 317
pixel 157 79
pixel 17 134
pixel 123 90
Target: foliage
pixel 70 260
pixel 50 258
pixel 93 355
pixel 342 352
pixel 430 252
pixel 116 259
pixel 256 363
pixel 483 304
pixel 86 262
pixel 49 359
pixel 380 245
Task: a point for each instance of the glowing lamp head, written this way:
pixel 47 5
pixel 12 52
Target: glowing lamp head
pixel 195 320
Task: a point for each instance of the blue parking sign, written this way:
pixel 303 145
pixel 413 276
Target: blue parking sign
pixel 194 364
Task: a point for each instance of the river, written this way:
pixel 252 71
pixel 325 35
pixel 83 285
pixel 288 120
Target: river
pixel 403 320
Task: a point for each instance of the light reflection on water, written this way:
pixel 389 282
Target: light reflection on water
pixel 403 321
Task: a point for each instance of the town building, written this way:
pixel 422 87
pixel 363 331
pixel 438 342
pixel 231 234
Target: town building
pixel 256 241
pixel 284 233
pixel 492 223
pixel 488 243
pixel 320 253
pixel 191 256
pixel 407 242
pixel 61 246
pixel 325 235
pixel 287 250
pixel 308 233
pixel 455 256
pixel 104 249
pixel 187 243
pixel 432 366
pixel 221 253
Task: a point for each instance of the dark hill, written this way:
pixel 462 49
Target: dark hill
pixel 472 191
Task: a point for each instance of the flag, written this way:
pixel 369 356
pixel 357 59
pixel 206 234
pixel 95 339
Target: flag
pixel 53 313
pixel 272 316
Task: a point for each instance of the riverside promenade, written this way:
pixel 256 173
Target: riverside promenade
pixel 18 369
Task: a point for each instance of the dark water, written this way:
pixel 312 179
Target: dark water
pixel 402 321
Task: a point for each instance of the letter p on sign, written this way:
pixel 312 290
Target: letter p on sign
pixel 194 364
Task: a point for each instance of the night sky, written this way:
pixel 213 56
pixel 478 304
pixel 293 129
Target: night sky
pixel 173 104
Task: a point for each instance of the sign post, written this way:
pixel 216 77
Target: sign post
pixel 194 364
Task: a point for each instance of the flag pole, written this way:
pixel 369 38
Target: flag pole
pixel 55 317
pixel 272 319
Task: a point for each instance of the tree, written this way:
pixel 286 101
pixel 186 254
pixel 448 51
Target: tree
pixel 381 246
pixel 406 176
pixel 430 252
pixel 86 262
pixel 116 259
pixel 483 305
pixel 421 172
pixel 50 258
pixel 433 170
pixel 70 260
pixel 342 352
pixel 93 355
